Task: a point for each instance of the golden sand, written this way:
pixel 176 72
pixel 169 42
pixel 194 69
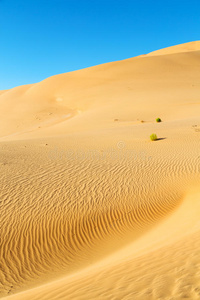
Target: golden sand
pixel 90 207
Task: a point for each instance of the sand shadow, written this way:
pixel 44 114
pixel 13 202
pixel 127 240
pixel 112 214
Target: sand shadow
pixel 160 139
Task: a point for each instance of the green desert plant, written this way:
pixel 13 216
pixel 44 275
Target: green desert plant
pixel 153 137
pixel 158 120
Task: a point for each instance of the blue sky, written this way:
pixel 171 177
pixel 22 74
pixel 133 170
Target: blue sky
pixel 42 38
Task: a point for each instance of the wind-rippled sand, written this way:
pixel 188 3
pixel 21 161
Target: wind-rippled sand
pixel 90 208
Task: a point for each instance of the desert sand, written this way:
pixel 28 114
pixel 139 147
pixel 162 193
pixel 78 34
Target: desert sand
pixel 90 208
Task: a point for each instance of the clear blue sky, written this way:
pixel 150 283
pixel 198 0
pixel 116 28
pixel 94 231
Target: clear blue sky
pixel 41 38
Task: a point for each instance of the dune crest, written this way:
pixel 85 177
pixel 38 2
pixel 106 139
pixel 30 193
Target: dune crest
pixel 187 47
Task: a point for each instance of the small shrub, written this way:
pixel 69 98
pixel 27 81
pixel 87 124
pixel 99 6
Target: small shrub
pixel 153 137
pixel 158 120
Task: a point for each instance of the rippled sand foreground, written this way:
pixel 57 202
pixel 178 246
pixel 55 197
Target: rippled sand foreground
pixel 90 208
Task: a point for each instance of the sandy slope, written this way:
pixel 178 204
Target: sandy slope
pixel 192 46
pixel 90 208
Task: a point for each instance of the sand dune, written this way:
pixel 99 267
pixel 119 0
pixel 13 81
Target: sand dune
pixel 188 47
pixel 90 207
pixel 130 90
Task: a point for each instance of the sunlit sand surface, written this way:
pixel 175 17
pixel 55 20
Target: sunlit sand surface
pixel 90 207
